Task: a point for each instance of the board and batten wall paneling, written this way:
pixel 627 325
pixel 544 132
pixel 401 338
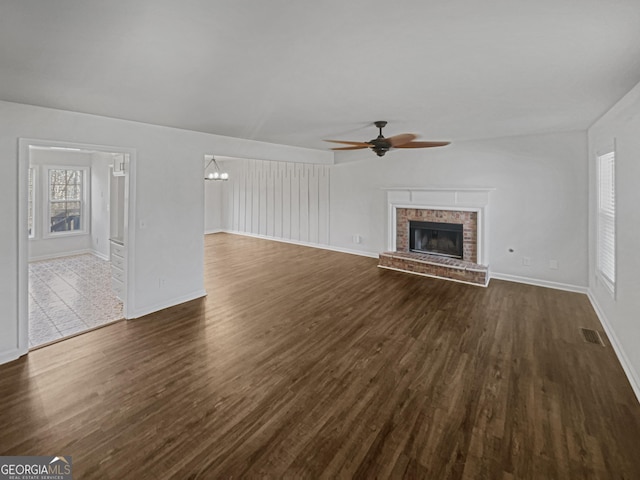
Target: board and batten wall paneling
pixel 282 200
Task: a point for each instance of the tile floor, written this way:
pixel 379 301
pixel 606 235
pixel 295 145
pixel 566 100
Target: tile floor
pixel 69 295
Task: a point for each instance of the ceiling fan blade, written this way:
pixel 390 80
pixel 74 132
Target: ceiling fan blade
pixel 360 144
pixel 350 148
pixel 401 139
pixel 422 144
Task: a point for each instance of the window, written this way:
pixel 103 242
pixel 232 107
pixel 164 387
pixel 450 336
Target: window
pixel 606 241
pixel 31 201
pixel 66 201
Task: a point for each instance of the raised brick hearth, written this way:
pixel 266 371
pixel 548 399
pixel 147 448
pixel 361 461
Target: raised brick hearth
pixel 435 266
pixel 464 270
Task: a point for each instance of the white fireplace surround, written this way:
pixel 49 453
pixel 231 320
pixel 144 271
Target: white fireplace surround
pixel 465 199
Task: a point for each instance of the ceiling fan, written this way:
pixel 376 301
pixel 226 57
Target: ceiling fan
pixel 382 145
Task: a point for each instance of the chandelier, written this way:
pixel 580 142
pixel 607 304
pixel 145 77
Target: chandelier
pixel 217 174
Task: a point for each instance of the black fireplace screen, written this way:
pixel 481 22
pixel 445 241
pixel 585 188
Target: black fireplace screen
pixel 436 238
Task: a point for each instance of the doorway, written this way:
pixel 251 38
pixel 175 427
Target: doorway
pixel 74 266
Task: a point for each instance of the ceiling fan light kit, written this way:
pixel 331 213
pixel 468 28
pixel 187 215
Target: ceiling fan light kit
pixel 381 145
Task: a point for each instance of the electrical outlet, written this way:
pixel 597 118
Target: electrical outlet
pixel 162 282
pixel 553 264
pixel 526 261
pixel 357 239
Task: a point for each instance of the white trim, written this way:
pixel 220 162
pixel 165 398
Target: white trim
pixel 609 283
pixel 10 355
pixel 627 366
pixel 321 246
pixel 347 250
pixel 22 340
pixel 129 231
pixel 100 255
pixel 437 277
pixel 53 256
pixel 85 203
pixel 168 304
pixel 215 230
pixel 35 196
pixel 440 189
pixel 539 283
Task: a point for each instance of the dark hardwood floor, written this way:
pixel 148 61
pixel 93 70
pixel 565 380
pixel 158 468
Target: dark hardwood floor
pixel 304 363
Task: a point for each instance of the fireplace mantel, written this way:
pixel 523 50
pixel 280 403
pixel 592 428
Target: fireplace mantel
pixel 441 189
pixel 464 199
pixel 451 196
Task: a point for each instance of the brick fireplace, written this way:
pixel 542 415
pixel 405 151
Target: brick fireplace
pixel 438 206
pixel 468 220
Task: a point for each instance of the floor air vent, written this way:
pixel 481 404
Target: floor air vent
pixel 591 336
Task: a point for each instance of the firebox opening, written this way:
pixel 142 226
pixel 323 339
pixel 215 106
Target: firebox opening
pixel 436 238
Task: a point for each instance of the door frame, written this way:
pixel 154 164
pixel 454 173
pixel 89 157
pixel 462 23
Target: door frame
pixel 23 236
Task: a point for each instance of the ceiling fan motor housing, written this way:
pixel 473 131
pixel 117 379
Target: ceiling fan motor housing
pixel 380 146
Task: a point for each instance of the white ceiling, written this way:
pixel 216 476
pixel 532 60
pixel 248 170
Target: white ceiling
pixel 295 72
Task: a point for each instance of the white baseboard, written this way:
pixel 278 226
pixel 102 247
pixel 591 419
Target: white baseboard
pixel 10 355
pixel 61 255
pixel 350 252
pixel 632 375
pixel 321 246
pixel 53 256
pixel 539 283
pixel 101 256
pixel 141 312
pixel 215 230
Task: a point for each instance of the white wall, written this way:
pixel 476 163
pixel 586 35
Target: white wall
pixel 40 247
pixel 169 200
pixel 213 206
pixel 100 212
pixel 538 208
pixel 279 200
pixel 620 315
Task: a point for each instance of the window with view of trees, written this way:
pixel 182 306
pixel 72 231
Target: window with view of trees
pixel 66 200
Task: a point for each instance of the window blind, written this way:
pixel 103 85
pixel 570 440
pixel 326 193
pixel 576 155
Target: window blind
pixel 606 251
